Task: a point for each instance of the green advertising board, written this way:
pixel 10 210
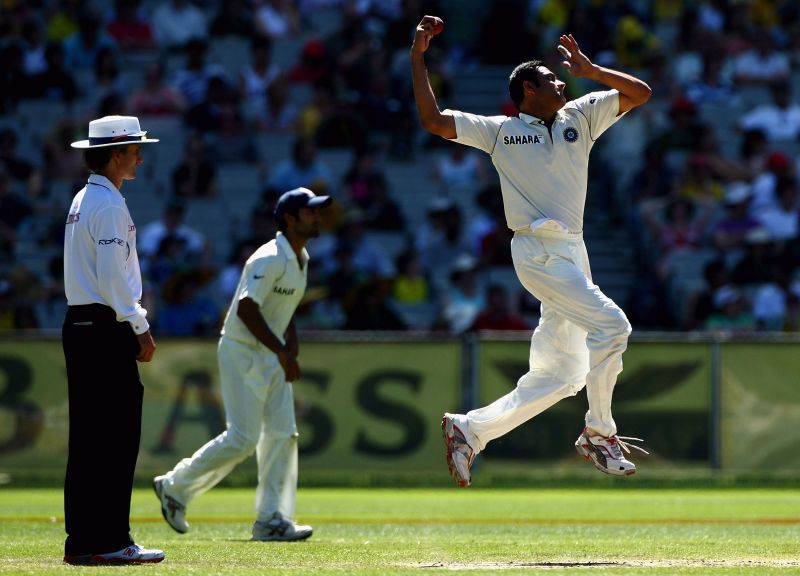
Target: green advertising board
pixel 662 395
pixel 760 407
pixel 360 406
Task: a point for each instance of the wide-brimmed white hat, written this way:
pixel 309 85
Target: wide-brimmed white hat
pixel 114 131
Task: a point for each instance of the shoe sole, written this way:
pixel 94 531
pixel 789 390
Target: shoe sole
pixel 451 466
pixel 282 539
pixel 587 453
pixel 103 561
pixel 164 512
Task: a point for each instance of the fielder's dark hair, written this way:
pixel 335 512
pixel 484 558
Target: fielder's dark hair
pixel 525 71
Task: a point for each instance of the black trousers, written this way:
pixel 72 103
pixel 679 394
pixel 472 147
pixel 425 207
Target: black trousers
pixel 105 420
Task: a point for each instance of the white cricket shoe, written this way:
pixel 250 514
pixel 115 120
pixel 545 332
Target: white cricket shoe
pixel 459 453
pixel 605 452
pixel 133 554
pixel 173 511
pixel 280 529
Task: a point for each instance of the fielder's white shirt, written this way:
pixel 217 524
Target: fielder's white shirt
pixel 275 280
pixel 543 172
pixel 100 261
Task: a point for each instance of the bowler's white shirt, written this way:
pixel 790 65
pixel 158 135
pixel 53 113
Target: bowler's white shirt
pixel 275 280
pixel 543 173
pixel 100 261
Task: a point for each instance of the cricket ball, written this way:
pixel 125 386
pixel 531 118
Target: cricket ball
pixel 438 25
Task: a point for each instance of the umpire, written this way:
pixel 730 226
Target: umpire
pixel 105 332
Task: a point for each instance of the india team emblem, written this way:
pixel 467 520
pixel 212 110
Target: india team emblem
pixel 570 134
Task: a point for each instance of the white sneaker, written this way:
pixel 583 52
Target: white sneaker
pixel 459 453
pixel 173 511
pixel 605 453
pixel 280 529
pixel 133 554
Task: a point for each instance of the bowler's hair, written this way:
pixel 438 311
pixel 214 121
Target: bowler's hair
pixel 525 71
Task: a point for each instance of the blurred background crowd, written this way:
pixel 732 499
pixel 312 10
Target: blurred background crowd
pixel 692 212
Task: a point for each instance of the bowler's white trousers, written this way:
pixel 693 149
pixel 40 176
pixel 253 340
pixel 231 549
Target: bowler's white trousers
pixel 259 409
pixel 579 340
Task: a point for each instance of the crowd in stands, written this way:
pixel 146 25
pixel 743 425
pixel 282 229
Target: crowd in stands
pixel 703 179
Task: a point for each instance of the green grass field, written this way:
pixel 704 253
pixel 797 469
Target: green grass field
pixel 619 530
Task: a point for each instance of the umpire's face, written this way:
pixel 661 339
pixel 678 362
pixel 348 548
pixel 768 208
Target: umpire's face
pixel 128 158
pixel 307 223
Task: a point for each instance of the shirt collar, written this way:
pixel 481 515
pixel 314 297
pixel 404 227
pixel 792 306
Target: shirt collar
pixel 528 119
pixel 283 242
pixel 101 180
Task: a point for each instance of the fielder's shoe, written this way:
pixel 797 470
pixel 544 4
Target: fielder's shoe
pixel 605 453
pixel 133 554
pixel 459 453
pixel 280 529
pixel 173 511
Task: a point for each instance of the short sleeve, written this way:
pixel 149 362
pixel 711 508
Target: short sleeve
pixel 260 277
pixel 477 131
pixel 601 110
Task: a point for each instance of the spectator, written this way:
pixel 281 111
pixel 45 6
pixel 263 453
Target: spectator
pixel 176 22
pixel 382 212
pixel 701 305
pixel 17 85
pixel 782 220
pixel 370 310
pixel 171 223
pixel 759 260
pixel 235 18
pixel 128 27
pixel 762 64
pixel 185 310
pixel 462 299
pixel 302 170
pixel 60 163
pixel 276 18
pixel 780 119
pixel 80 49
pixel 732 229
pixel 228 279
pixel 107 80
pixel 409 286
pixel 698 181
pixel 681 228
pixel 442 240
pixel 155 97
pixel 257 75
pixel 356 183
pixel 655 178
pixel 368 259
pixel 459 169
pixel 194 78
pixel 278 113
pixel 232 142
pixel 14 209
pixel 206 116
pixel 196 175
pixel 33 47
pixel 778 166
pixel 15 314
pixel 17 168
pixel 775 303
pixel 55 83
pixel 731 312
pixel 496 315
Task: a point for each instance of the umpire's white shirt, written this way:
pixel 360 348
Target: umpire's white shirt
pixel 543 173
pixel 100 261
pixel 275 280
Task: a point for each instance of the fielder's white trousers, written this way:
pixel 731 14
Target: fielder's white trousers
pixel 259 409
pixel 579 340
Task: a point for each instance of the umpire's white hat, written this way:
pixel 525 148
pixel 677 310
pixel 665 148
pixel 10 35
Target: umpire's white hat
pixel 114 131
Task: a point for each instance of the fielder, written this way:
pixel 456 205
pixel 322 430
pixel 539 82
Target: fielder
pixel 542 158
pixel 257 356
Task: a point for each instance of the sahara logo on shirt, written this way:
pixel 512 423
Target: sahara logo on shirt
pixel 521 139
pixel 283 291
